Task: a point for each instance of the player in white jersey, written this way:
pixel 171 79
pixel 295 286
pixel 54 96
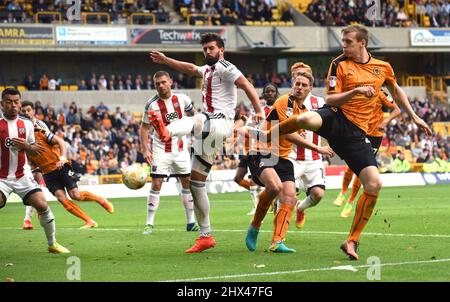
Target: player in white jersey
pixel 212 126
pixel 17 139
pixel 27 109
pixel 308 164
pixel 171 157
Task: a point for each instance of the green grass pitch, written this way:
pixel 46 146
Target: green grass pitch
pixel 409 232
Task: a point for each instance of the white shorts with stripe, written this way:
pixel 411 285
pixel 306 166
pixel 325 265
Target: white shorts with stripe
pixel 170 163
pixel 23 186
pixel 309 173
pixel 216 129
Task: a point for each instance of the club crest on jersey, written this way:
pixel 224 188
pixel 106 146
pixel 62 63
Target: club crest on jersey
pixel 376 71
pixel 333 81
pixel 22 131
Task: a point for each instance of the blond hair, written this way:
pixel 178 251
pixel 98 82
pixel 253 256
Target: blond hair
pixel 361 32
pixel 300 65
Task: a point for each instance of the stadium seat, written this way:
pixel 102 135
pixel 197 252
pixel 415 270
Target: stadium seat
pixel 257 23
pixel 73 87
pixel 281 23
pixel 64 87
pixel 265 23
pixel 21 88
pixel 426 21
pixel 290 23
pixel 184 11
pixel 275 14
pixel 199 22
pixel 2 88
pixel 249 23
pixel 274 23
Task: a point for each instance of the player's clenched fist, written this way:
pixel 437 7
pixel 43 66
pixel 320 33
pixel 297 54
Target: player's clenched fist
pixel 368 91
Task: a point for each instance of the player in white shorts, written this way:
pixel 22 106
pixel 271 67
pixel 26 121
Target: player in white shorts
pixel 17 139
pixel 212 126
pixel 308 164
pixel 27 109
pixel 169 158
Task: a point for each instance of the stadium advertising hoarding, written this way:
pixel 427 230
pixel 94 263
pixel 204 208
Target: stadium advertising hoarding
pixel 85 35
pixel 26 35
pixel 170 35
pixel 436 178
pixel 430 37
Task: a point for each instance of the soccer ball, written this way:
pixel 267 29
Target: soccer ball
pixel 134 177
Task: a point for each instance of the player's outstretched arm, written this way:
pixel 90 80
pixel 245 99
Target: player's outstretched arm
pixel 401 98
pixel 250 91
pixel 181 66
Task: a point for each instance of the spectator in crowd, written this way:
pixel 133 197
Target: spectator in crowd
pixel 400 164
pixel 30 83
pixel 43 82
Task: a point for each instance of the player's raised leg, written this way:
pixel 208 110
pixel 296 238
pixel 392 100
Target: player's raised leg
pixel 74 209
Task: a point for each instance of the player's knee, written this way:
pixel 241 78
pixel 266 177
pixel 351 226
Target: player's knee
pixel 75 195
pixel 317 195
pixel 38 202
pixel 274 188
pixel 373 186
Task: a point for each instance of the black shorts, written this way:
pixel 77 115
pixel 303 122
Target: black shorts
pixel 243 161
pixel 346 139
pixel 375 141
pixel 61 179
pixel 283 167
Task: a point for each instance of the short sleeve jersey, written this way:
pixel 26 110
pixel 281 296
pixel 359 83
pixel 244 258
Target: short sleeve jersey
pixel 219 93
pixel 345 75
pixel 46 161
pixel 170 109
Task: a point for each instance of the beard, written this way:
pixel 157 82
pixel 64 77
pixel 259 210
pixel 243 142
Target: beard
pixel 211 60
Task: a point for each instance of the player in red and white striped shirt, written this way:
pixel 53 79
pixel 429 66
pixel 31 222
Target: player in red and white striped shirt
pixel 169 158
pixel 17 139
pixel 220 82
pixel 308 164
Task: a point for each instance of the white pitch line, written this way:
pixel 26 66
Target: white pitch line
pixel 243 231
pixel 302 271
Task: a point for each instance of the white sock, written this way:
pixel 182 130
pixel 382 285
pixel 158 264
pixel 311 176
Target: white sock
pixel 254 195
pixel 47 221
pixel 306 203
pixel 188 202
pixel 201 206
pixel 29 211
pixel 152 206
pixel 186 124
